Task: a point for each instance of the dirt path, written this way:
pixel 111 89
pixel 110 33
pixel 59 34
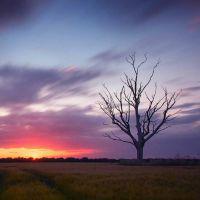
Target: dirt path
pixel 2 176
pixel 49 181
pixel 44 179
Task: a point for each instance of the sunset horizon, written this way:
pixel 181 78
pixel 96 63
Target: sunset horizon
pixel 41 153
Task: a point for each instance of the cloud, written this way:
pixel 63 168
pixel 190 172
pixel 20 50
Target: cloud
pixel 190 116
pixel 177 80
pixel 188 91
pixel 71 127
pixel 194 23
pixel 181 142
pixel 192 89
pixel 187 105
pixel 130 12
pixel 14 12
pixel 81 128
pixel 187 119
pixel 154 9
pixel 193 111
pixel 74 128
pixel 23 86
pixel 125 13
pixel 157 7
pixel 109 57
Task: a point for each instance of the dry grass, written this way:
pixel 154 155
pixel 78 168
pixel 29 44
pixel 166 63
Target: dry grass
pixel 90 181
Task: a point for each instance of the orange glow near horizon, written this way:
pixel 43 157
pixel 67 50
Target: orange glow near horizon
pixel 42 152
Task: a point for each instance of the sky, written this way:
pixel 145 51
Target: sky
pixel 55 56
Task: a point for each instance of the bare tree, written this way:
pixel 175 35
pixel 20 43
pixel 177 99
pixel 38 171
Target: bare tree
pixel 137 125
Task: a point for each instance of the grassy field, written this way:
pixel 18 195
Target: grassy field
pixel 101 181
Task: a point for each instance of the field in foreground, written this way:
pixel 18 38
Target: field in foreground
pixel 100 181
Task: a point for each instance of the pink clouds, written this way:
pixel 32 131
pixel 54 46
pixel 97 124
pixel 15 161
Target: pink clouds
pixel 69 130
pixel 72 129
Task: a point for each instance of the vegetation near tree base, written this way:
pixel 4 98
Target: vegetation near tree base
pixel 96 181
pixel 160 162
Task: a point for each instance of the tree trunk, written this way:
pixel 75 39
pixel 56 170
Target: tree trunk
pixel 140 152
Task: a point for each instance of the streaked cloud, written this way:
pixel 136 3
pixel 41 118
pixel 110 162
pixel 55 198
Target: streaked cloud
pixel 20 86
pixel 187 105
pixel 110 56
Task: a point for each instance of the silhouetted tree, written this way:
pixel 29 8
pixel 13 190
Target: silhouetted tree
pixel 123 108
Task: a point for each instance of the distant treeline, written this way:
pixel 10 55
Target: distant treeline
pixel 70 159
pixel 134 162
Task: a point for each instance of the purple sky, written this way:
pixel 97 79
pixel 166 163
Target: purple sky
pixel 55 56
